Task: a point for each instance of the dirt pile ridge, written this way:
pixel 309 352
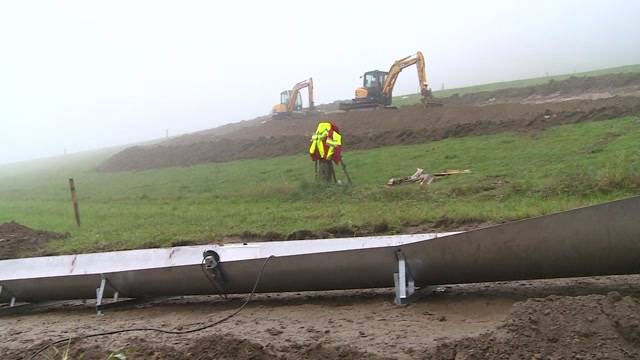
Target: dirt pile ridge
pixel 575 87
pixel 584 327
pixel 215 347
pixel 20 241
pixel 371 129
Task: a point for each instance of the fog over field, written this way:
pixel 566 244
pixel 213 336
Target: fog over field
pixel 78 75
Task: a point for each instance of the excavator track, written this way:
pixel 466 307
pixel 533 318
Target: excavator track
pixel 364 106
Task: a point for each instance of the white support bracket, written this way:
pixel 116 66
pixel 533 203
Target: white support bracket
pixel 12 302
pixel 403 280
pixel 100 294
pixel 104 282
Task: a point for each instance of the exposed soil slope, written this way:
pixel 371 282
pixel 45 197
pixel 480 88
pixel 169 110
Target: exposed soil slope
pixel 574 88
pixel 20 241
pixel 582 87
pixel 370 129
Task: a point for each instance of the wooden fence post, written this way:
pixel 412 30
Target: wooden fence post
pixel 74 199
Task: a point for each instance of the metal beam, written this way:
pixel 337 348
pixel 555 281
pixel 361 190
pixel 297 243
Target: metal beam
pixel 596 240
pixel 172 271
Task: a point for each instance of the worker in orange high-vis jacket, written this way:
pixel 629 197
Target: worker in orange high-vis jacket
pixel 326 143
pixel 326 149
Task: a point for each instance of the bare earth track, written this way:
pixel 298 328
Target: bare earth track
pixel 524 109
pixel 588 318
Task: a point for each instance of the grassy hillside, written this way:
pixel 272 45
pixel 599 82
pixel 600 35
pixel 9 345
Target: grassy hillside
pixel 415 98
pixel 514 176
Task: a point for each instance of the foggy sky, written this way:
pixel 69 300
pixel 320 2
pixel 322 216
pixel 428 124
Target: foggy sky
pixel 80 75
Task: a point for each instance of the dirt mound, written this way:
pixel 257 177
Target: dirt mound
pixel 584 327
pixel 20 241
pixel 214 347
pixel 370 129
pixel 215 133
pixel 323 351
pixel 585 87
pixel 573 88
pixel 210 347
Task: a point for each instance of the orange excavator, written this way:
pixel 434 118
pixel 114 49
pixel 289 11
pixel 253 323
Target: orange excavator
pixel 377 86
pixel 291 100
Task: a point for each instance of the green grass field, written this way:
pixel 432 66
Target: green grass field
pixel 412 99
pixel 514 176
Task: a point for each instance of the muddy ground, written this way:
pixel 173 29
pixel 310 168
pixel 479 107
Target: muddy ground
pixel 584 318
pixel 18 241
pixel 523 109
pixel 573 88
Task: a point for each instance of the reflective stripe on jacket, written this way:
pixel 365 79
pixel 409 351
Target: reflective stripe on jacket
pixel 326 143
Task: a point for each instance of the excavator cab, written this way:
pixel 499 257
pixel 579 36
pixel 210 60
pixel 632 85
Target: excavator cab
pixel 370 93
pixel 284 100
pixel 373 82
pixel 281 110
pixel 291 101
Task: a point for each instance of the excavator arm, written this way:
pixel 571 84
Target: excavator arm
pixel 294 94
pixel 399 65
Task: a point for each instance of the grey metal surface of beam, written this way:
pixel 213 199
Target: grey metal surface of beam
pixel 597 240
pixel 166 272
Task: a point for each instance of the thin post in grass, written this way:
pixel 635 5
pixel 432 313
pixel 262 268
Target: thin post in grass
pixel 326 173
pixel 74 200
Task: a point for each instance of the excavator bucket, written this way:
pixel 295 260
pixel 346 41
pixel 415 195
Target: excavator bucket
pixel 428 100
pixel 431 102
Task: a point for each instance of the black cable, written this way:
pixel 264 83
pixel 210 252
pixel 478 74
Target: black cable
pixel 171 332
